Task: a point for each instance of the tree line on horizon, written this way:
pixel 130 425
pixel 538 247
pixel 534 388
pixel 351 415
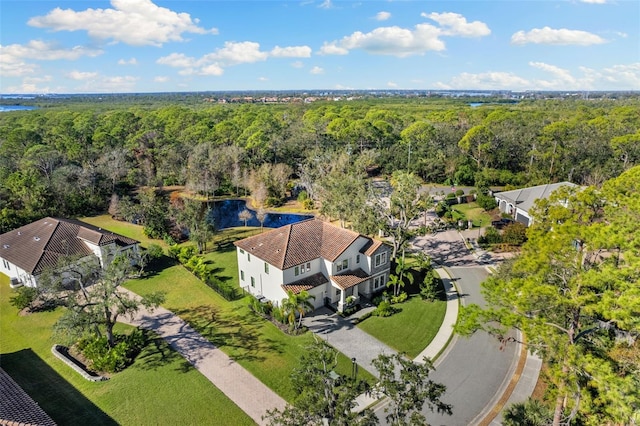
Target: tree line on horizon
pixel 69 162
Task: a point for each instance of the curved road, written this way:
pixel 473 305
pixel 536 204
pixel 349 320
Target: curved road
pixel 475 369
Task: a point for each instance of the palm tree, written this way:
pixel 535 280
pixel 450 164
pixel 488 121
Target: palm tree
pixel 296 304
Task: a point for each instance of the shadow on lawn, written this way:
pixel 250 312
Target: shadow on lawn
pixel 232 331
pixel 158 353
pixel 59 399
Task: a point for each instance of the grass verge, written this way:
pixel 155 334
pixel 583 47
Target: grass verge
pixel 159 388
pixel 410 330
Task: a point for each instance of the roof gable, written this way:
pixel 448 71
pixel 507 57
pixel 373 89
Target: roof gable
pixel 525 198
pixel 300 242
pixel 40 244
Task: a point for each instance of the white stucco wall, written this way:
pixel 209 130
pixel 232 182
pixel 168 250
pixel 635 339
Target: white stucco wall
pixel 15 272
pixel 265 284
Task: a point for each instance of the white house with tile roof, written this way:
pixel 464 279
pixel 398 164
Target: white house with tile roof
pixel 27 251
pixel 329 262
pixel 517 203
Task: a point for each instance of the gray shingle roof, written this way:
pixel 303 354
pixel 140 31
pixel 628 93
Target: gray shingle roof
pixel 40 244
pixel 524 198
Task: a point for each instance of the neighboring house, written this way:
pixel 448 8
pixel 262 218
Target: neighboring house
pixel 27 251
pixel 332 264
pixel 16 406
pixel 519 202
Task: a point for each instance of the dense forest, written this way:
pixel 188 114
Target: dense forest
pixel 69 160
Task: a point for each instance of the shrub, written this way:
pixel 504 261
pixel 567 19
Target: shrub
pixel 450 195
pixel 308 204
pixel 399 298
pixel 491 236
pixel 24 298
pixel 487 202
pixel 515 234
pixel 384 309
pixel 459 192
pixel 103 358
pixel 302 196
pixel 429 286
pixel 441 209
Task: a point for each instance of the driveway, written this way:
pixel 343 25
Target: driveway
pixel 240 386
pixel 347 338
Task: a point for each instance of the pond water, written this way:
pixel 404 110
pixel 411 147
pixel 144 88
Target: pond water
pixel 225 215
pixel 7 108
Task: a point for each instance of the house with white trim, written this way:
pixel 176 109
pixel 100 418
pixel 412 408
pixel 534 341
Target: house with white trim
pixel 518 202
pixel 28 251
pixel 335 265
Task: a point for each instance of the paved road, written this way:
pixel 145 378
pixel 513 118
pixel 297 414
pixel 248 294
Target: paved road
pixel 475 369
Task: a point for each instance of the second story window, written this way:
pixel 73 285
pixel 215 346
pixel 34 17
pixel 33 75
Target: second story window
pixel 341 266
pixel 266 268
pixel 248 257
pixel 380 259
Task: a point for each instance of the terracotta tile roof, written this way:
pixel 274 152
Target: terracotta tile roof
pixel 17 407
pixel 40 244
pixel 306 284
pixel 298 243
pixel 350 279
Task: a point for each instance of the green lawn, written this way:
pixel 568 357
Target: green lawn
pixel 474 213
pixel 158 389
pixel 412 329
pixel 123 228
pixel 253 342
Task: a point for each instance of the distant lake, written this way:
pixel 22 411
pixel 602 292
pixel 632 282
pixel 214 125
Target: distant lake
pixel 476 104
pixel 225 215
pixel 7 108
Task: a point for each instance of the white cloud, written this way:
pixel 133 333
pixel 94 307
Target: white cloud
pixel 616 77
pixel 392 84
pixel 487 81
pixel 213 69
pixel 291 52
pixel 394 41
pixel 333 49
pixel 562 75
pixel 297 64
pixel 263 79
pixel 316 70
pixel 326 4
pixel 553 36
pixel 132 61
pixel 232 53
pixel 12 57
pixel 134 22
pixel 454 24
pixel 404 42
pixel 382 16
pixel 160 79
pixel 79 75
pixel 594 1
pixel 177 60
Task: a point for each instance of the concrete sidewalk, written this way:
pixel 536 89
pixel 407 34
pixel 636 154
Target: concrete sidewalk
pixel 240 386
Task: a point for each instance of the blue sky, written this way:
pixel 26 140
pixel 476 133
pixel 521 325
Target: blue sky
pixel 59 46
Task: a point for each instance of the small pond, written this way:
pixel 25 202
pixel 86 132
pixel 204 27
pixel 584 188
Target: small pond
pixel 225 215
pixel 8 108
